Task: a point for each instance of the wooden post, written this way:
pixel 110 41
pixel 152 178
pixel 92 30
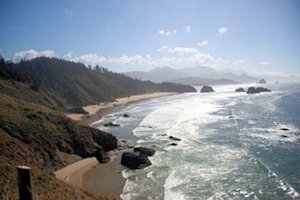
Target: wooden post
pixel 24 183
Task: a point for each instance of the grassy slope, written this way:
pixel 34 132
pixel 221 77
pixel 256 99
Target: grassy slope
pixel 32 134
pixel 45 186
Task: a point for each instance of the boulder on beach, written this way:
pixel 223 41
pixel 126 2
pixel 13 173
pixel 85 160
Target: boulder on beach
pixel 240 90
pixel 262 81
pixel 174 138
pixel 100 155
pixel 206 88
pixel 145 151
pixel 135 160
pixel 110 124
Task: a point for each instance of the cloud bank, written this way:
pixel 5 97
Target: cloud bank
pixel 31 54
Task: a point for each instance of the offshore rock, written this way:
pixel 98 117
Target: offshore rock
pixel 145 151
pixel 206 89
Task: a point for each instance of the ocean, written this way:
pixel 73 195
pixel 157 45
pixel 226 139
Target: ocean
pixel 232 145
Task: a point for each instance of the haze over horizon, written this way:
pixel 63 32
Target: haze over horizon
pixel 253 36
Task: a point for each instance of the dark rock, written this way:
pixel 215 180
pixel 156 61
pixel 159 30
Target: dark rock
pixel 284 129
pixel 261 89
pixel 262 81
pixel 173 144
pixel 145 151
pixel 110 124
pixel 206 88
pixel 174 138
pixel 105 140
pixel 101 156
pixel 284 136
pixel 253 90
pixel 77 110
pixel 124 141
pixel 125 115
pixel 240 90
pixel 134 160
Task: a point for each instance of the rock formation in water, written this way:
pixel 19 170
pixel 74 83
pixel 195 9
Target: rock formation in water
pixel 145 151
pixel 206 89
pixel 262 81
pixel 253 90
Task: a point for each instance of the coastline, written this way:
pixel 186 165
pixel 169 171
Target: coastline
pixel 101 179
pixel 96 109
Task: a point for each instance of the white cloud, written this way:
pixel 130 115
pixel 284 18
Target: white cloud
pixel 188 29
pixel 238 62
pixel 162 48
pixel 223 30
pixel 183 50
pixel 31 54
pixel 264 63
pixel 203 43
pixel 89 59
pixel 167 33
pixel 198 59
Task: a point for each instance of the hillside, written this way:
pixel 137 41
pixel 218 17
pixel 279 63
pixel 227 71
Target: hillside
pixel 62 84
pixel 45 139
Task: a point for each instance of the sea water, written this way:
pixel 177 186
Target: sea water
pixel 232 145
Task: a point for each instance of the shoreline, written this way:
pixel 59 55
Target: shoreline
pixel 93 110
pixel 104 179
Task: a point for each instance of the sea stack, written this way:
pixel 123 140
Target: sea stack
pixel 253 90
pixel 206 89
pixel 262 81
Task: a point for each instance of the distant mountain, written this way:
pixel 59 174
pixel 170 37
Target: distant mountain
pixel 207 74
pixel 203 81
pixel 160 74
pixel 61 84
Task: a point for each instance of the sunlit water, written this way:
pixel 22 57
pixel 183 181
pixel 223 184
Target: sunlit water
pixel 232 146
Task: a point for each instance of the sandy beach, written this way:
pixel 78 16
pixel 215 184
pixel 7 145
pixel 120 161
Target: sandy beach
pixel 94 109
pixel 105 180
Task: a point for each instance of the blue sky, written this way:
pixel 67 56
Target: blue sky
pixel 251 35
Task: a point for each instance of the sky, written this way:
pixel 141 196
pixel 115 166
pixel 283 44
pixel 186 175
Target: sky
pixel 259 36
